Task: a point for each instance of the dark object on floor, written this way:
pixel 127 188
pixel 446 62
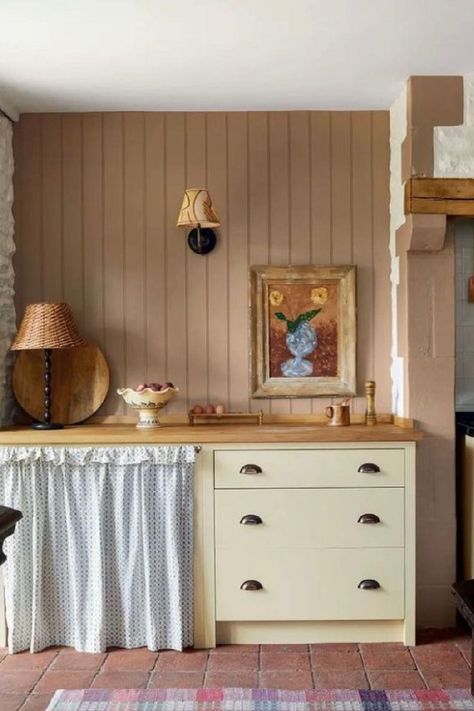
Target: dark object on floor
pixel 8 521
pixel 463 592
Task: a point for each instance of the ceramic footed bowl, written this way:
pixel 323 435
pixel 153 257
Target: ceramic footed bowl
pixel 147 403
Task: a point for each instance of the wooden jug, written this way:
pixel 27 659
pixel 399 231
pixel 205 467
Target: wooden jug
pixel 338 415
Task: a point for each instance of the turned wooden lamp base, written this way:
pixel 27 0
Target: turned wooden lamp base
pixel 48 375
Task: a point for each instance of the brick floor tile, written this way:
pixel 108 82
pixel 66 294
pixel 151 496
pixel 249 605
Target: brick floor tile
pixel 231 679
pixel 52 680
pixel 340 680
pixel 69 659
pixel 12 702
pixel 333 647
pixel 286 680
pixel 130 660
pixel 26 660
pixel 193 660
pixel 389 661
pixel 18 681
pixel 395 680
pixel 244 661
pixel 448 679
pixel 121 680
pixel 275 661
pixel 302 648
pixel 233 648
pixel 433 657
pixel 335 661
pixel 381 647
pixel 37 702
pixel 176 680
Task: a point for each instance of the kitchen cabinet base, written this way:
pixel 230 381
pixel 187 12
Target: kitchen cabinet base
pixel 313 632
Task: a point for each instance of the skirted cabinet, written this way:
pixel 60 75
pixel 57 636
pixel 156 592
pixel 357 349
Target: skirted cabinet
pixel 301 534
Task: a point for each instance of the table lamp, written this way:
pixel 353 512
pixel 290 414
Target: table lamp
pixel 47 326
pixel 198 212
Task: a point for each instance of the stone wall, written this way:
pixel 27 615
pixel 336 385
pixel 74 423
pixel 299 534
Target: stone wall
pixel 7 309
pixel 453 146
pixel 423 365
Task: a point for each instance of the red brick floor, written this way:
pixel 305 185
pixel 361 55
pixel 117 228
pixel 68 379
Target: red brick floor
pixel 441 658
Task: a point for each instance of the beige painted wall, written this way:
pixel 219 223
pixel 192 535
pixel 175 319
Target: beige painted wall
pixel 96 200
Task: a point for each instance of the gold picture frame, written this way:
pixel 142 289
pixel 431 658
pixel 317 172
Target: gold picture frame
pixel 302 331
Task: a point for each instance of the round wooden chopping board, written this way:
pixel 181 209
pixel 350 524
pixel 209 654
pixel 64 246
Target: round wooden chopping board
pixel 80 383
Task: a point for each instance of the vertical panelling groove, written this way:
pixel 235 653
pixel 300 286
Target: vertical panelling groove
pixel 186 264
pixel 124 253
pixel 331 228
pixel 206 174
pixel 103 223
pixel 227 187
pixel 83 257
pixel 41 210
pixel 249 406
pixel 351 188
pixel 372 315
pixel 165 236
pixel 290 195
pixel 145 251
pixel 268 187
pixel 310 194
pixel 62 205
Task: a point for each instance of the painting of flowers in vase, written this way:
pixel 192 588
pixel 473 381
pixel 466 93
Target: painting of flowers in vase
pixel 302 331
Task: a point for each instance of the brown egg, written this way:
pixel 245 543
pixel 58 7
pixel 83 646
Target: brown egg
pixel 220 409
pixel 140 388
pixel 198 410
pixel 209 410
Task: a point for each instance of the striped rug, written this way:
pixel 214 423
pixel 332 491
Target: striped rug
pixel 259 700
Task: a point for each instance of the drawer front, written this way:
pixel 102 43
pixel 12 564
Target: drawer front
pixel 309 518
pixel 313 585
pixel 308 468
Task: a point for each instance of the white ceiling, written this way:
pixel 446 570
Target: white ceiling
pixel 67 55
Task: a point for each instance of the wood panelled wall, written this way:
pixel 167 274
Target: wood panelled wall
pixel 96 201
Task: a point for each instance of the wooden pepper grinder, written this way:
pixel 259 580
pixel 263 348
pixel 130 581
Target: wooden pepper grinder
pixel 370 414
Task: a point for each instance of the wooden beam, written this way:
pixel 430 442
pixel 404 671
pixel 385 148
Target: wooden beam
pixel 440 196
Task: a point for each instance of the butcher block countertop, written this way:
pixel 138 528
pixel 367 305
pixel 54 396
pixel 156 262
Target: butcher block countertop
pixel 105 434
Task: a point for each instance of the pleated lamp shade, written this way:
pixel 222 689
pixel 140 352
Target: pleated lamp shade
pixel 197 209
pixel 47 325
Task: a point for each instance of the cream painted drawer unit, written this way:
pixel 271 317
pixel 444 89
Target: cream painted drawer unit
pixel 315 543
pixel 263 468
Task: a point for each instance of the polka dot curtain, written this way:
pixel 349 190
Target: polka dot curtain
pixel 104 553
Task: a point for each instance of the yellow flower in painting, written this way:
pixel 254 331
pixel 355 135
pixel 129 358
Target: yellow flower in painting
pixel 319 295
pixel 276 298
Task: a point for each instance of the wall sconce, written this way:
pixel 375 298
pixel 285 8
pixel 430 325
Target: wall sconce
pixel 197 212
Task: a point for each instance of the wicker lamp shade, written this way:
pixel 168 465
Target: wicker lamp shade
pixel 46 325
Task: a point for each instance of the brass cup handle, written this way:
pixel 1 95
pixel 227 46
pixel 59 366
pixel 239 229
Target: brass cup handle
pixel 369 468
pixel 251 520
pixel 368 584
pixel 251 469
pixel 251 585
pixel 368 518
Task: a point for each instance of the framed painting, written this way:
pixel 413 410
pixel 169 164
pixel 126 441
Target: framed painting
pixel 302 331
